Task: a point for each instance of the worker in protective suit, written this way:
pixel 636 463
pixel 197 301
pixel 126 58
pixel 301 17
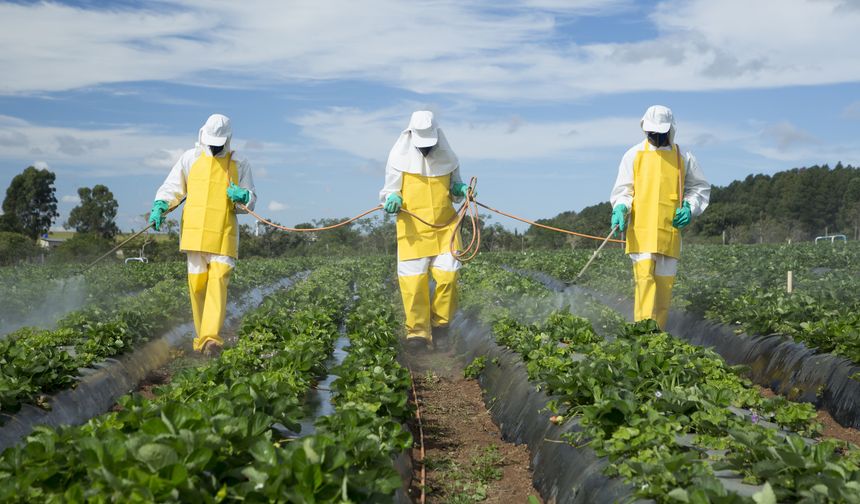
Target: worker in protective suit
pixel 213 180
pixel 423 176
pixel 651 177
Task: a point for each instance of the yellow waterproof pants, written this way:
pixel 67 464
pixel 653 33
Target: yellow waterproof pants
pixel 208 291
pixel 422 312
pixel 653 293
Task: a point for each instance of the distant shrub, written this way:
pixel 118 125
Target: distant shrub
pixel 81 247
pixel 15 247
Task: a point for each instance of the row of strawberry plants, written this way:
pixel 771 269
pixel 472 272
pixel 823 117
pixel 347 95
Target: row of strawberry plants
pixel 29 289
pixel 214 433
pixel 35 362
pixel 365 433
pixel 744 286
pixel 661 411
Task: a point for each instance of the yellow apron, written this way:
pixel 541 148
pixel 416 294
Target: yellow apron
pixel 428 198
pixel 658 183
pixel 208 221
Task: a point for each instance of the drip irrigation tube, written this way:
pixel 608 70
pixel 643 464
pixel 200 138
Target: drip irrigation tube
pixel 101 386
pixel 422 460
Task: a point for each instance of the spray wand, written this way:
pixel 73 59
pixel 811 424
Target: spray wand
pixel 130 238
pixel 595 254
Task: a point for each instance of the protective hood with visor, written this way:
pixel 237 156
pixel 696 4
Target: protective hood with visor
pixel 658 123
pixel 422 148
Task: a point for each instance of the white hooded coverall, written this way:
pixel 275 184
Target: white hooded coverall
pixel 422 250
pixel 655 272
pixel 208 270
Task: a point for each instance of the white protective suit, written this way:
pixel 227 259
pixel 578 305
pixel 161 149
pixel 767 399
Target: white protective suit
pixel 210 230
pixel 173 190
pixel 697 192
pixel 653 183
pixel 424 183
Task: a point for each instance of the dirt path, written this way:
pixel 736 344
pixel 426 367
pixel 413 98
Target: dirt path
pixel 465 458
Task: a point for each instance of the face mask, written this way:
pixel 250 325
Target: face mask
pixel 425 150
pixel 215 149
pixel 658 139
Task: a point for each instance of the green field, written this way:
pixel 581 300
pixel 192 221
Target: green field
pixel 671 419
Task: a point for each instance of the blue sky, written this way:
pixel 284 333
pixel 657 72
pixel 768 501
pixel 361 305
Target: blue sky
pixel 539 98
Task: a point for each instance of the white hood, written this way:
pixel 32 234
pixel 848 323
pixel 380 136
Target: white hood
pixel 217 126
pixel 659 119
pixel 405 157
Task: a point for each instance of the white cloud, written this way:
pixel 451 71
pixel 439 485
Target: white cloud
pixel 13 139
pixel 71 198
pixel 852 111
pixel 41 165
pixel 276 206
pixel 67 144
pixel 578 6
pixel 786 142
pixel 159 159
pixel 786 135
pixel 107 151
pixel 488 50
pixel 363 134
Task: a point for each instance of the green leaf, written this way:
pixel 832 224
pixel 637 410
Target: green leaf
pixel 157 456
pixel 679 494
pixel 312 456
pixel 263 451
pixel 255 476
pixel 765 495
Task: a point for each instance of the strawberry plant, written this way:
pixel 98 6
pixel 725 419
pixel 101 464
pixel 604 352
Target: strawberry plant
pixel 657 407
pixel 35 362
pixel 226 431
pixel 743 286
pixel 211 434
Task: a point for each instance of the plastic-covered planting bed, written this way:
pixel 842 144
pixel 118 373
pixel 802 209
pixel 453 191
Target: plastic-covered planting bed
pixel 562 473
pixel 319 399
pixel 318 403
pixel 775 361
pixel 101 386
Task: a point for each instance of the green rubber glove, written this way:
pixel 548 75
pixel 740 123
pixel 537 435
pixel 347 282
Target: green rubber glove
pixel 156 215
pixel 682 216
pixel 238 194
pixel 393 203
pixel 460 190
pixel 619 218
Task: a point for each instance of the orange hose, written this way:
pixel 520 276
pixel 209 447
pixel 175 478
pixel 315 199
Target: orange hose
pixel 469 209
pixel 308 230
pixel 559 230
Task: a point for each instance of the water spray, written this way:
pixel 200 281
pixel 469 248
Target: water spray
pixel 132 237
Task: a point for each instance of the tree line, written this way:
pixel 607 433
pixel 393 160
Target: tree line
pixel 796 205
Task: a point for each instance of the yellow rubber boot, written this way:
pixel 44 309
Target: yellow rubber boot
pixel 663 299
pixel 444 298
pixel 415 290
pixel 646 290
pixel 215 308
pixel 197 289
